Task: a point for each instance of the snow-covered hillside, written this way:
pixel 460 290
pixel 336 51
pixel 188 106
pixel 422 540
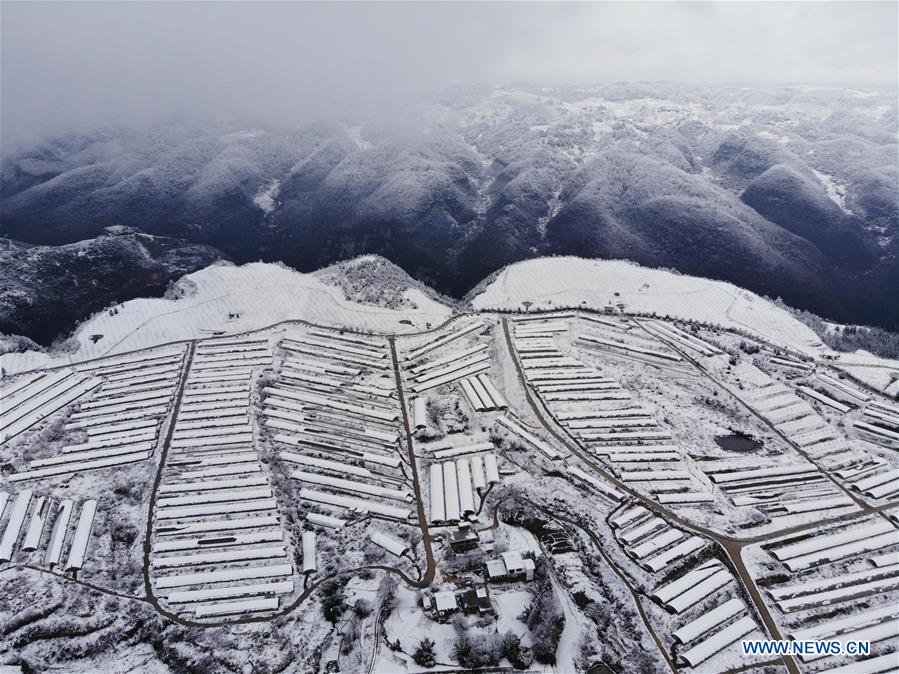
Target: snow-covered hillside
pixel 228 299
pixel 374 280
pixel 551 283
pixel 499 487
pixel 371 294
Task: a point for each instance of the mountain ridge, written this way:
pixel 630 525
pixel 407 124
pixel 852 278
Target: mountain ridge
pixel 783 190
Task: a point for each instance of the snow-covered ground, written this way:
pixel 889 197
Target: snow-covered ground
pixel 881 373
pixel 226 299
pixel 266 197
pixel 835 190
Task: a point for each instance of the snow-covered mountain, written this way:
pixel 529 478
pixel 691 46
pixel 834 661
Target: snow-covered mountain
pixel 227 299
pixel 787 191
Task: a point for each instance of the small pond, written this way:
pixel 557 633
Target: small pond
pixel 738 442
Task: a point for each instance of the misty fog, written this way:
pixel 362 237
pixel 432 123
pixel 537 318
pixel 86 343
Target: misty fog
pixel 77 65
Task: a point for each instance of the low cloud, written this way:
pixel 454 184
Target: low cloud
pixel 74 65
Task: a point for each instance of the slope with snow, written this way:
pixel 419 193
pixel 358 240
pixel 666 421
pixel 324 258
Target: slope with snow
pixel 226 299
pixel 613 427
pixel 551 283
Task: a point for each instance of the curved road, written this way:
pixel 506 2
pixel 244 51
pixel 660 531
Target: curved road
pixel 163 455
pixel 731 547
pixel 597 543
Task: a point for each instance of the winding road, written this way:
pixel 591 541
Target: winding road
pixel 731 547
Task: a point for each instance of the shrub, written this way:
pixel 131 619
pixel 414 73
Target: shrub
pixel 424 654
pixel 362 608
pixel 545 618
pixel 480 650
pixel 511 648
pixel 333 602
pixel 387 595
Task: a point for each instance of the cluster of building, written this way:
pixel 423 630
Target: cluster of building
pixel 599 413
pixel 30 398
pixel 335 415
pixel 670 333
pixel 470 601
pixel 218 549
pixel 880 423
pixel 618 336
pixel 426 374
pixel 453 485
pixel 713 618
pixel 38 536
pixel 650 540
pixel 779 489
pixel 827 445
pixel 481 393
pixel 475 599
pixel 120 403
pixel 111 411
pixel 877 538
pixel 842 582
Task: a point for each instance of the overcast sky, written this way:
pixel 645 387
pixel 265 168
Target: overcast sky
pixel 74 64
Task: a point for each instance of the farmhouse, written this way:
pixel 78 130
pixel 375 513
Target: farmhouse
pixel 510 566
pixel 463 538
pixel 443 604
pixel 477 600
